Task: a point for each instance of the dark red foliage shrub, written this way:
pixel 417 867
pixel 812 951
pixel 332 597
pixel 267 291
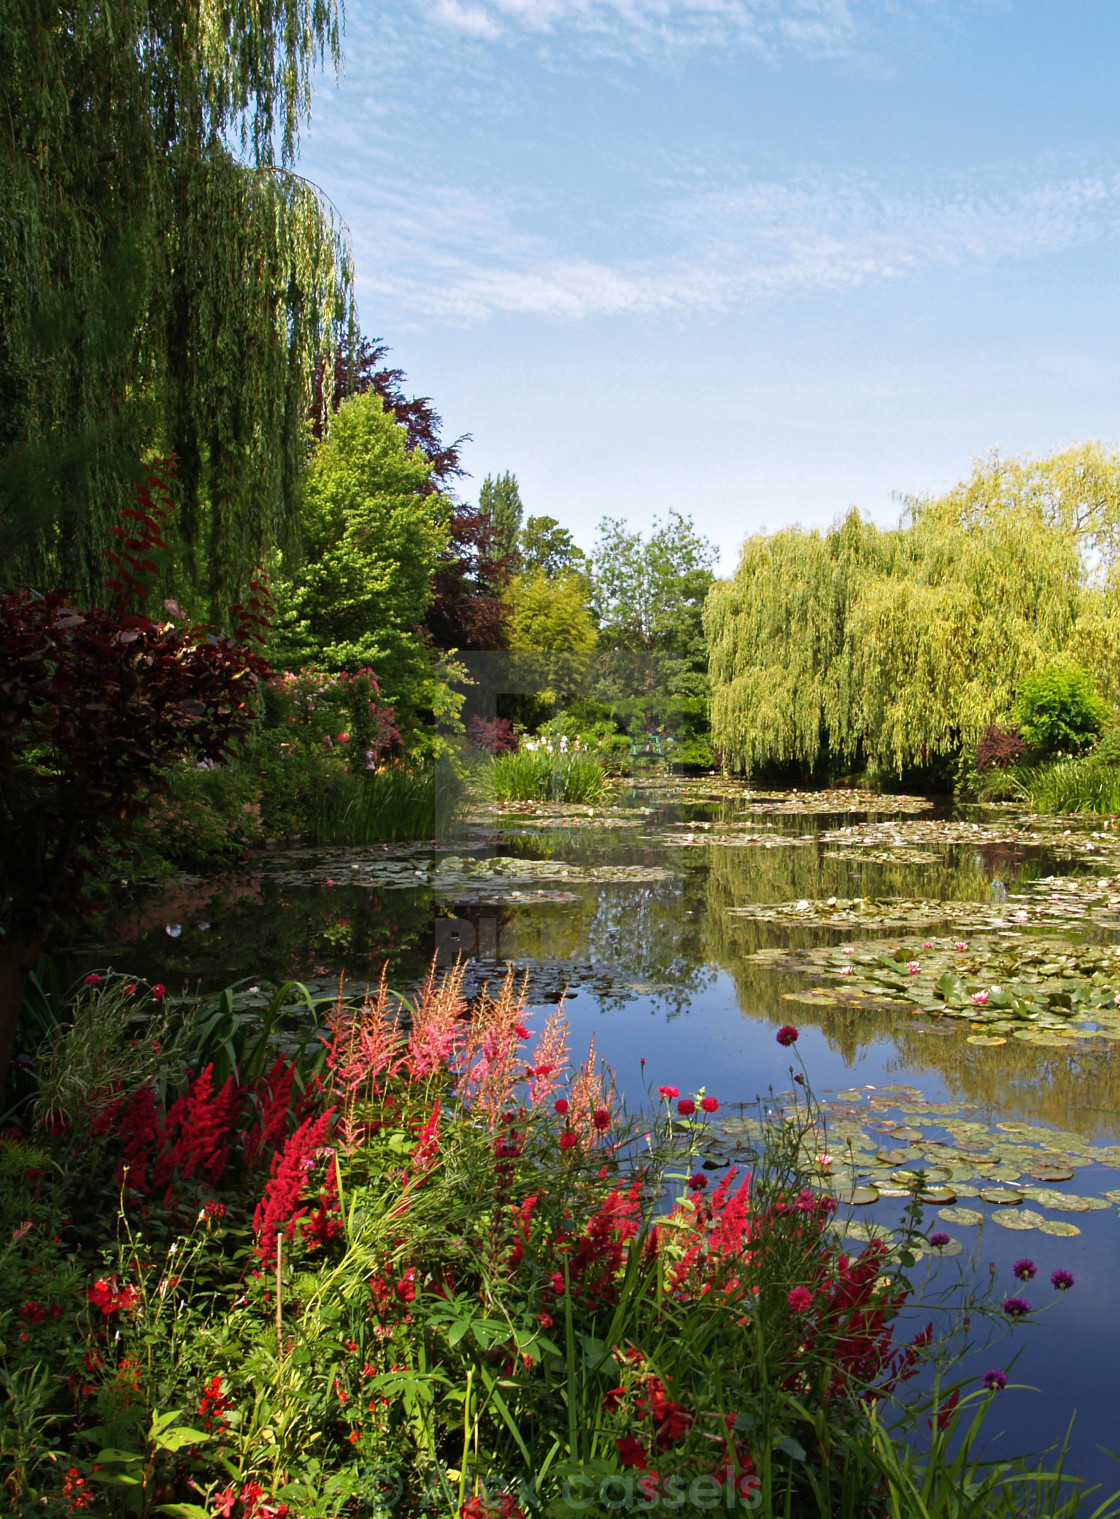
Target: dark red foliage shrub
pixel 999 747
pixel 94 704
pixel 495 735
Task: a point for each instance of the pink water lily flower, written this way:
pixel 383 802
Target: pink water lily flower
pixel 980 998
pixel 913 967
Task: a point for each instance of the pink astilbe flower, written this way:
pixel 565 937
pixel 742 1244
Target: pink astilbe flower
pixel 438 1030
pixel 364 1045
pixel 492 1064
pixel 279 1208
pixel 549 1060
pixel 587 1097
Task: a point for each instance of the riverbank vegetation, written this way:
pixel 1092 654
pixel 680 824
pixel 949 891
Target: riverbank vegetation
pixel 428 1262
pixel 894 652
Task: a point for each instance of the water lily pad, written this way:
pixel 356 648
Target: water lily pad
pixel 866 1232
pixel 1018 1218
pixel 963 1217
pixel 1058 1226
pixel 859 1197
pixel 1068 1202
pixel 935 1195
pixel 906 1136
pixel 987 1039
pixel 1000 1196
pixel 1051 1173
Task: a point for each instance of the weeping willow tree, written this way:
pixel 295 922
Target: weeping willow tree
pixel 166 280
pixel 895 648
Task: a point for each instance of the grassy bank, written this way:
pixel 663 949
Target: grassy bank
pixel 428 1265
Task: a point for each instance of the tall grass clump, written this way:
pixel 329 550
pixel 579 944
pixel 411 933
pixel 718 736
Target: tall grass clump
pixel 384 806
pixel 541 776
pixel 1087 784
pixel 434 1267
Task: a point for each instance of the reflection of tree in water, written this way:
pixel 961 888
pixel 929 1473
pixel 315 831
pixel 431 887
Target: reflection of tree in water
pixel 1075 1089
pixel 649 934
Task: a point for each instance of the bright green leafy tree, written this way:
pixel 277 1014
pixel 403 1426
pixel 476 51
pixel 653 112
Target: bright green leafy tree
pixel 372 539
pixel 648 598
pixel 548 549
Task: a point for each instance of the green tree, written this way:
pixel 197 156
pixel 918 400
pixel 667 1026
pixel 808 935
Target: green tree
pixel 372 538
pixel 648 598
pixel 553 630
pixel 548 549
pixel 157 291
pixel 895 648
pixel 499 501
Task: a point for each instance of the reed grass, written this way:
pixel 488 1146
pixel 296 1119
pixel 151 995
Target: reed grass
pixel 526 776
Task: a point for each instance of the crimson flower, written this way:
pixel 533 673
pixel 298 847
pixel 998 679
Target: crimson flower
pixel 698 1182
pixel 800 1299
pixel 567 1140
pixel 630 1452
pixel 561 1105
pixel 93 980
pixel 709 1104
pixel 521 1031
pixel 668 1093
pixel 686 1107
pixel 159 991
pixel 601 1118
pixel 613 1398
pixel 787 1035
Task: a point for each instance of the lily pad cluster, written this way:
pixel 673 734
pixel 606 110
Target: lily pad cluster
pixel 1038 990
pixel 871 1147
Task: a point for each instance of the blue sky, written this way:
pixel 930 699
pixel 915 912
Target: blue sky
pixel 756 260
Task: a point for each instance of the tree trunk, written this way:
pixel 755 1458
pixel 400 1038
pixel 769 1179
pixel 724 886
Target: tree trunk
pixel 19 955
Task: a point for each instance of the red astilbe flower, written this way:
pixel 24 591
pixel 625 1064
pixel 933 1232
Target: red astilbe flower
pixel 271 1094
pixel 325 1221
pixel 135 1121
pixel 199 1125
pixel 279 1208
pixel 598 1256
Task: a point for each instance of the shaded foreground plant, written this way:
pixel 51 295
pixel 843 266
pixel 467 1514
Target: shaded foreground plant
pixel 435 1249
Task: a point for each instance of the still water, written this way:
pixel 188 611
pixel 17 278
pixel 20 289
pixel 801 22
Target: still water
pixel 688 920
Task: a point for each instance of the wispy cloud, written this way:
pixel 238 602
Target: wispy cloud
pixel 817 25
pixel 462 256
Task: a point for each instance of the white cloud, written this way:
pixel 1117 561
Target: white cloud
pixel 462 256
pixel 817 25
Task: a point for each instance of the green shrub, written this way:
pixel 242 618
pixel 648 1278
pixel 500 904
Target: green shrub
pixel 1059 711
pixel 542 776
pixel 1088 784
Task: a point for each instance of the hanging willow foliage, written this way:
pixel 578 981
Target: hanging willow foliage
pixel 891 648
pixel 157 291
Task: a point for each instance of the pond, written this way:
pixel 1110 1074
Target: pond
pixel 954 975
